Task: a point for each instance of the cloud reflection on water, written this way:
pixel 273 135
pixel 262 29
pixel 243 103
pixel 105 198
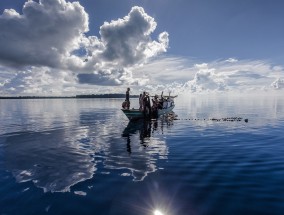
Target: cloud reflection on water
pixel 60 146
pixel 50 160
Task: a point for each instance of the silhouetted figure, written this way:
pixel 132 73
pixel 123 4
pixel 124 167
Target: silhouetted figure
pixel 127 98
pixel 125 105
pixel 146 106
pixel 141 102
pixel 155 105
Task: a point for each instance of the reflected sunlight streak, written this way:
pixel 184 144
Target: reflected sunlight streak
pixel 158 212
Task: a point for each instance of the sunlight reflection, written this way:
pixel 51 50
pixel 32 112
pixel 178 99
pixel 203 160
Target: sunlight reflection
pixel 158 212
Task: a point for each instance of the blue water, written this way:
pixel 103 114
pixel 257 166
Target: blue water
pixel 83 157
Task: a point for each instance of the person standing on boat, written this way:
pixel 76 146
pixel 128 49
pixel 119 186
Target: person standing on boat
pixel 154 109
pixel 146 105
pixel 127 98
pixel 141 102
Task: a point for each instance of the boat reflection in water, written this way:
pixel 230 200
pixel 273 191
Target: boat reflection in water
pixel 143 128
pixel 145 145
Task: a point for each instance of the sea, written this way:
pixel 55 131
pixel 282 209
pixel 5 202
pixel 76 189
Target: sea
pixel 215 155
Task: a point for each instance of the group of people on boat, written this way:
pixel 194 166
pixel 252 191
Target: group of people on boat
pixel 145 103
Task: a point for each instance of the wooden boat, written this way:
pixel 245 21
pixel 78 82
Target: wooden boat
pixel 166 107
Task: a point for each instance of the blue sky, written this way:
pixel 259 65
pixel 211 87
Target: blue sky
pixel 207 29
pixel 213 45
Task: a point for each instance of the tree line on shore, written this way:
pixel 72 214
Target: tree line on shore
pixel 109 95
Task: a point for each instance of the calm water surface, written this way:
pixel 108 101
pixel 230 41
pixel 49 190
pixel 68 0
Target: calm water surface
pixel 84 157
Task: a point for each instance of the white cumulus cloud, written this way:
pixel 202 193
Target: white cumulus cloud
pixel 278 84
pixel 182 75
pixel 124 45
pixel 205 79
pixel 51 36
pixel 43 35
pixel 127 41
pixel 40 81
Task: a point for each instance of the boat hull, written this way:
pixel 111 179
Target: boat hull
pixel 135 114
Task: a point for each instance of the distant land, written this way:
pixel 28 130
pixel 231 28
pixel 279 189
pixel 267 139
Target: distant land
pixel 110 95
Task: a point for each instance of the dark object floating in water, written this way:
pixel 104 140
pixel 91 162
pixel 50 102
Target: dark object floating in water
pixel 227 119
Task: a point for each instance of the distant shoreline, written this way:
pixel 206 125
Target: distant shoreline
pixel 109 96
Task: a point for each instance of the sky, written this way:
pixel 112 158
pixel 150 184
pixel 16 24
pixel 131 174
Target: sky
pixel 61 47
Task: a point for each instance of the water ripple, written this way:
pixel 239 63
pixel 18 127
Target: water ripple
pixel 77 150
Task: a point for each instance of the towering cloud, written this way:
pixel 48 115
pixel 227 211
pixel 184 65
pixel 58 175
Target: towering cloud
pixel 124 44
pixel 43 35
pixel 127 41
pixel 51 36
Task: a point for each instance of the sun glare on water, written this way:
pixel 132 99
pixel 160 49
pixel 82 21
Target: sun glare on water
pixel 157 212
